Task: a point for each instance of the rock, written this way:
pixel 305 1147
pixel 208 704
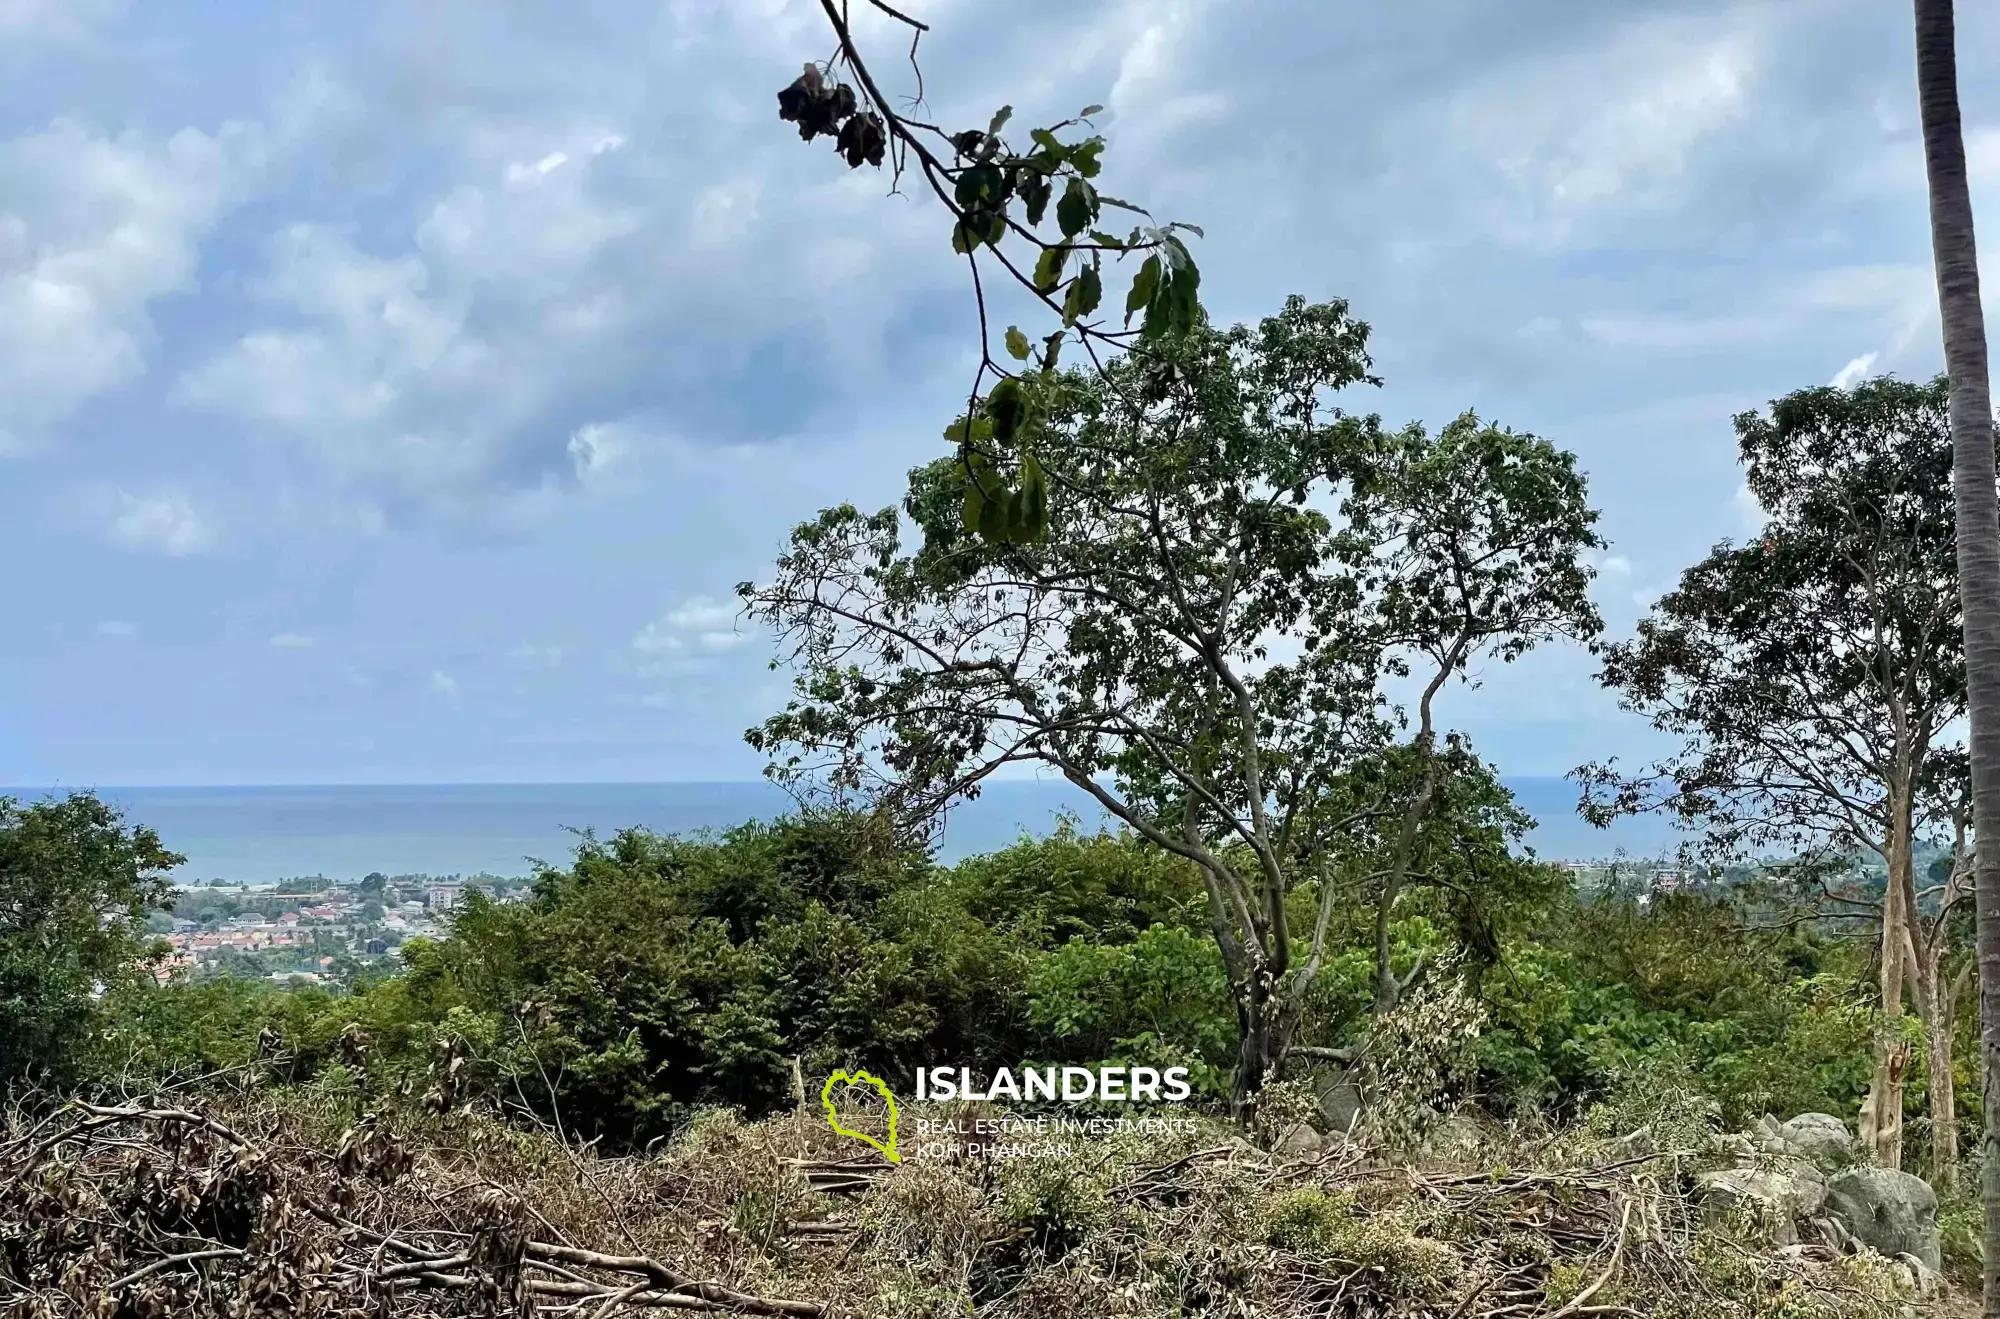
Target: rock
pixel 1735 1147
pixel 1777 1199
pixel 1823 1138
pixel 1892 1213
pixel 1340 1104
pixel 1301 1142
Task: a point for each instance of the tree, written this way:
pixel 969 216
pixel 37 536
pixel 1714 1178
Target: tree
pixel 993 193
pixel 1978 542
pixel 1233 567
pixel 1936 941
pixel 1812 674
pixel 76 889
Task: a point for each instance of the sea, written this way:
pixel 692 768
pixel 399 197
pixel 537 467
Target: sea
pixel 265 835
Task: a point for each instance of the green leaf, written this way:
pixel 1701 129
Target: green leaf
pixel 981 432
pixel 975 507
pixel 1090 110
pixel 1017 515
pixel 1000 118
pixel 1035 507
pixel 1145 285
pixel 1103 239
pixel 1047 142
pixel 1077 208
pixel 963 240
pixel 978 183
pixel 1085 157
pixel 1085 292
pixel 1048 268
pixel 992 523
pixel 1035 194
pixel 1008 409
pixel 1017 344
pixel 1126 206
pixel 1051 347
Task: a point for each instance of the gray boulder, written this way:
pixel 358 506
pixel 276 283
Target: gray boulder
pixel 1776 1198
pixel 1823 1138
pixel 1339 1103
pixel 1892 1213
pixel 1301 1142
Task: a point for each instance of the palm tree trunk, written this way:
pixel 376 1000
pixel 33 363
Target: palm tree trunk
pixel 1977 505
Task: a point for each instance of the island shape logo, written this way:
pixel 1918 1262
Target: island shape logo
pixel 833 1118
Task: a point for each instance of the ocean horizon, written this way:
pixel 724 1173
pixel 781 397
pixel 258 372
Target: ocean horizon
pixel 260 835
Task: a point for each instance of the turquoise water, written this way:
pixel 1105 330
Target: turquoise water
pixel 256 835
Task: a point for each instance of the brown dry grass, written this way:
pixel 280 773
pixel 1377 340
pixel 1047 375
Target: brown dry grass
pixel 273 1204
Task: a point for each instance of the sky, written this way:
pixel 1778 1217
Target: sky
pixel 396 392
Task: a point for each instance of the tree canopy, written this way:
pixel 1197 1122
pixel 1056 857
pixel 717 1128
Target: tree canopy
pixel 1247 598
pixel 76 888
pixel 1814 677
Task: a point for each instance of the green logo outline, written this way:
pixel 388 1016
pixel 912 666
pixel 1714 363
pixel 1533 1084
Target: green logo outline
pixel 833 1118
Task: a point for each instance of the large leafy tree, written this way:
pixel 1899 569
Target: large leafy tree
pixel 76 887
pixel 1978 542
pixel 1812 675
pixel 1237 578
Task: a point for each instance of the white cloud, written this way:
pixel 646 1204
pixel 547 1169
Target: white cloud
pixel 444 684
pixel 532 656
pixel 1854 372
pixel 161 522
pixel 680 644
pixel 704 614
pixel 292 641
pixel 1893 301
pixel 117 628
pixel 92 230
pixel 1616 565
pixel 656 638
pixel 593 449
pixel 424 375
pixel 55 20
pixel 1606 126
pixel 724 213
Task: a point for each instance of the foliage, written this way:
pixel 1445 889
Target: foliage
pixel 1610 989
pixel 1815 673
pixel 994 192
pixel 1237 574
pixel 77 886
pixel 656 975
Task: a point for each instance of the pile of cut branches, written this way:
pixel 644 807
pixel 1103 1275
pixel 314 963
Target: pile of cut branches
pixel 286 1203
pixel 147 1209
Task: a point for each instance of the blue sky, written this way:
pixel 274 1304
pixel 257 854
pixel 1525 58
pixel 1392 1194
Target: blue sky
pixel 393 393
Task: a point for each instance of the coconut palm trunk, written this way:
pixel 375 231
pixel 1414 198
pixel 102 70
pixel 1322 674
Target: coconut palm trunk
pixel 1978 509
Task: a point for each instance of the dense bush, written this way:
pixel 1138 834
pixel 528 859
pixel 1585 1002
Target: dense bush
pixel 654 975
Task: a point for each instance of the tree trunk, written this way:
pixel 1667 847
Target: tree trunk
pixel 1261 1042
pixel 1882 1112
pixel 1940 1000
pixel 1977 506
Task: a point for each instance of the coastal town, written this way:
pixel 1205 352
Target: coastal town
pixel 320 931
pixel 313 930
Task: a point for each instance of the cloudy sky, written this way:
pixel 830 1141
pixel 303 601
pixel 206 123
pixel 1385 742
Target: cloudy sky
pixel 394 392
